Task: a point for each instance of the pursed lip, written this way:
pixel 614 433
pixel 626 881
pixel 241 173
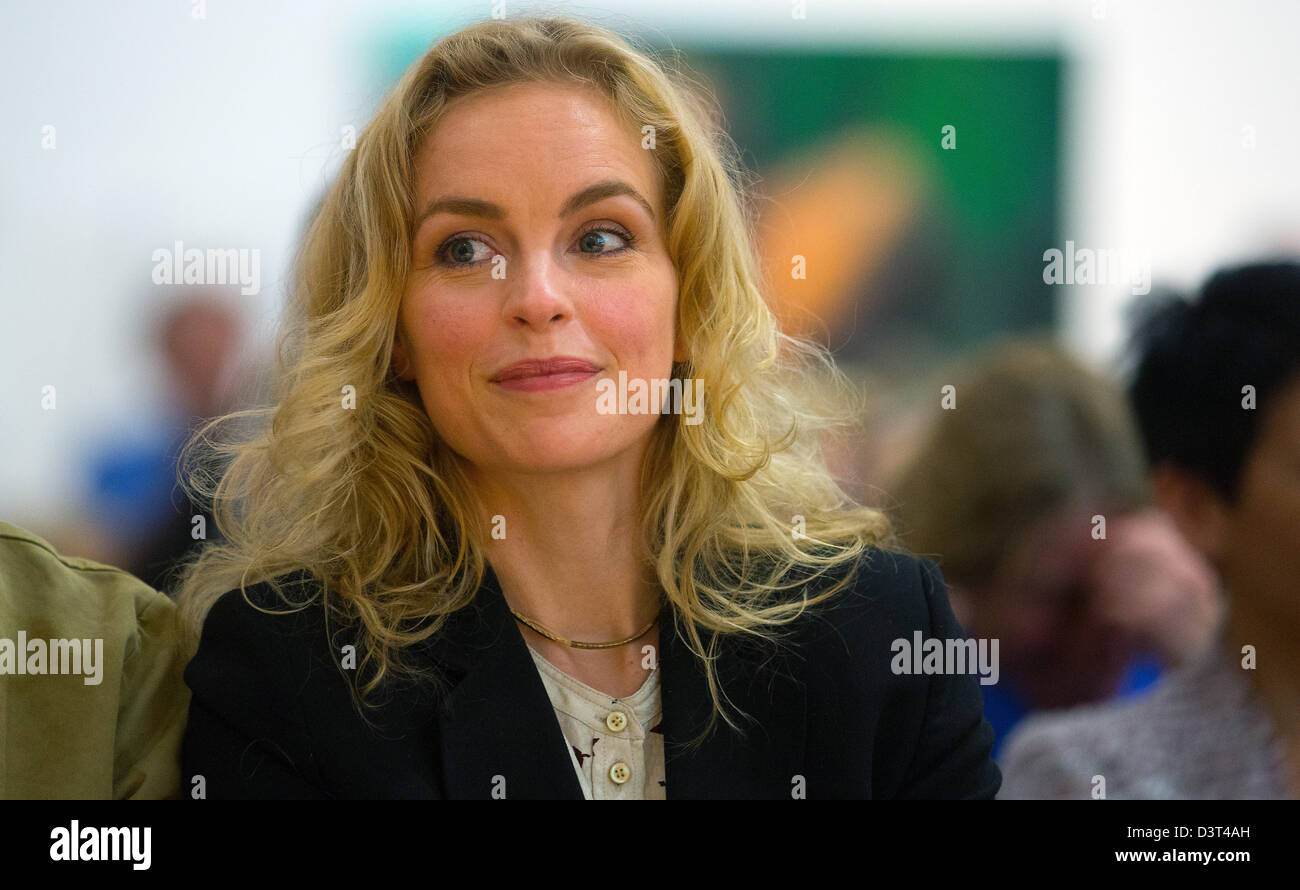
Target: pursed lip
pixel 546 367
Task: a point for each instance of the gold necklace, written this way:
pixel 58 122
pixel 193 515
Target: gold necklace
pixel 576 645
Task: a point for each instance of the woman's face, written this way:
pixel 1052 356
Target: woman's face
pixel 539 235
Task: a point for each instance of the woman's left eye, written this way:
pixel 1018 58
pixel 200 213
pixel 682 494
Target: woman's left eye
pixel 605 240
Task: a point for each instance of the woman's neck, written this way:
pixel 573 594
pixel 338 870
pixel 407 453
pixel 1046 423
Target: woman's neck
pixel 566 549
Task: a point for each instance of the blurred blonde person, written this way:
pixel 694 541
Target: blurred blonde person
pixel 1030 490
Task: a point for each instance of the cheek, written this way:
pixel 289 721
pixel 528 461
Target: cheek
pixel 447 338
pixel 445 334
pixel 635 322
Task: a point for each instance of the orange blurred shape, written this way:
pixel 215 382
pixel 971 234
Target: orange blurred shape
pixel 844 207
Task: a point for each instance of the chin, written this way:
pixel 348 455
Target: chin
pixel 530 451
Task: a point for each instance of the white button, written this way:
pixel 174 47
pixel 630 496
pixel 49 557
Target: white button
pixel 620 773
pixel 616 721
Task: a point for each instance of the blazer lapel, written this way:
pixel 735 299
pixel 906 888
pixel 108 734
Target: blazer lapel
pixel 727 766
pixel 499 733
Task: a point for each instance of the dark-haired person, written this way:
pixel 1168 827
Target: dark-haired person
pixel 1217 394
pixel 457 566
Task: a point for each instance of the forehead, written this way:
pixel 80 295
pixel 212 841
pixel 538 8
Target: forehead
pixel 559 137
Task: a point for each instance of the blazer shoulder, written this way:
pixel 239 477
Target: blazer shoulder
pixel 286 593
pixel 257 673
pixel 290 607
pixel 929 736
pixel 254 614
pixel 283 632
pixel 877 598
pixel 888 592
pixel 259 649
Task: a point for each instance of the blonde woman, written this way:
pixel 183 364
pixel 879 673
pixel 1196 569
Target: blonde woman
pixel 465 559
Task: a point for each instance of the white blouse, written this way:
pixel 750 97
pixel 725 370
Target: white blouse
pixel 616 744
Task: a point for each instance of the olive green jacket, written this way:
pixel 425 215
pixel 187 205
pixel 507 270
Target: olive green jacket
pixel 113 728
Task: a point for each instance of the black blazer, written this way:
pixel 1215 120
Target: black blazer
pixel 272 716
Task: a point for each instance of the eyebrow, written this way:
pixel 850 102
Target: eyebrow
pixel 599 191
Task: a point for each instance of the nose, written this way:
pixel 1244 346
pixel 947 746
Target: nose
pixel 537 292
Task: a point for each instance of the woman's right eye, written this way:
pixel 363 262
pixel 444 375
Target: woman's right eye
pixel 460 251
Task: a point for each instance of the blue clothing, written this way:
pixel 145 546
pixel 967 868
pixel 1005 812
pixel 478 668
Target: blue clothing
pixel 1004 707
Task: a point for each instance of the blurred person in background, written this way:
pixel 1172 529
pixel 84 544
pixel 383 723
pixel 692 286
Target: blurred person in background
pixel 92 701
pixel 1003 490
pixel 1217 395
pixel 134 482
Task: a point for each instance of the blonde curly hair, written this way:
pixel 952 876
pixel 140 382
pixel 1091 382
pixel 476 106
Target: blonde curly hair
pixel 737 510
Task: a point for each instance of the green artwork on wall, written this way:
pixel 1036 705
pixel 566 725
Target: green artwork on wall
pixel 921 189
